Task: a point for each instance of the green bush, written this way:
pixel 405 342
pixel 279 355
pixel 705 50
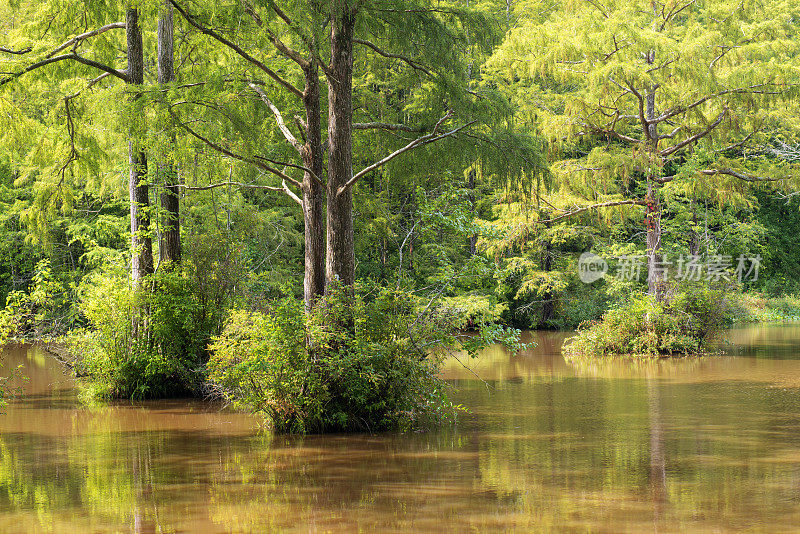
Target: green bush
pixel 755 308
pixel 151 342
pixel 679 325
pixel 352 364
pixel 141 342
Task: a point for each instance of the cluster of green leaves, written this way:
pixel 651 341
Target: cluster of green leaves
pixel 364 362
pixel 43 312
pixel 152 342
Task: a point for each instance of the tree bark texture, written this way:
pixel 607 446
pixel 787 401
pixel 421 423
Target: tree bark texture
pixel 313 192
pixel 141 244
pixel 170 245
pixel 340 256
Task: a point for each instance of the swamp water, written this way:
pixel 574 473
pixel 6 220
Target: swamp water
pixel 689 445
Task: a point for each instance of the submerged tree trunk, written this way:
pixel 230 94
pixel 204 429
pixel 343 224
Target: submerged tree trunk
pixel 170 243
pixel 313 194
pixel 141 244
pixel 340 256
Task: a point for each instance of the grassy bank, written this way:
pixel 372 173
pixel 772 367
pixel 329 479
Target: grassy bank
pixel 761 309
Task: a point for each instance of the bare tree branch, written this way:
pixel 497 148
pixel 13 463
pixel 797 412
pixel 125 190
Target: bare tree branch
pixel 593 207
pixel 286 51
pixel 291 193
pixel 17 52
pixel 413 64
pixel 385 126
pixel 420 141
pixel 73 56
pixel 278 117
pixel 699 135
pixel 233 46
pixel 226 184
pixel 75 40
pixel 642 117
pixel 742 176
pixel 257 162
pixel 307 39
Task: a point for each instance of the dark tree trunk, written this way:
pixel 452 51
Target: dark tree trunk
pixel 170 244
pixel 142 247
pixel 340 260
pixel 313 193
pixel 472 240
pixel 694 239
pixel 655 273
pixel 548 303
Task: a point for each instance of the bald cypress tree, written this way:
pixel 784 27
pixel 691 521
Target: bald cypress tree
pixel 63 54
pixel 284 51
pixel 655 93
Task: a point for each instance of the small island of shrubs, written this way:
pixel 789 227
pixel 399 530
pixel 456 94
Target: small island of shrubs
pixel 685 321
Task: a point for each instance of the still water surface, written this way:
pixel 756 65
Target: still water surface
pixel 690 445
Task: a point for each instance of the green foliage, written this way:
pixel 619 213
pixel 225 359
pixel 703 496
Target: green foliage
pixel 364 362
pixel 134 349
pixel 43 312
pixel 755 307
pixel 151 342
pixel 682 324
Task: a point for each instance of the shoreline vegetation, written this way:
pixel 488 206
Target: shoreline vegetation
pixel 684 323
pixel 648 331
pixel 302 207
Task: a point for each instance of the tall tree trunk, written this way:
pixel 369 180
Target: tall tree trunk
pixel 655 273
pixel 340 260
pixel 142 247
pixel 548 302
pixel 313 205
pixel 694 239
pixel 170 244
pixel 472 240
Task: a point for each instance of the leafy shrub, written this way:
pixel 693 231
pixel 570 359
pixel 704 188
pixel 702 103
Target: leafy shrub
pixel 141 343
pixel 352 364
pixel 151 342
pixel 474 309
pixel 680 325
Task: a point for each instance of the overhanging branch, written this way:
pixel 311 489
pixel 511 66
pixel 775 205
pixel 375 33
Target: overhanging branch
pixel 71 56
pixel 386 126
pixel 413 64
pixel 742 176
pixel 420 141
pixel 593 207
pixel 17 52
pixel 260 164
pixel 233 46
pixel 75 40
pixel 226 184
pixel 697 136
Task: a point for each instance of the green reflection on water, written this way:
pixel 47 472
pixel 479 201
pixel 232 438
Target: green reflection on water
pixel 707 444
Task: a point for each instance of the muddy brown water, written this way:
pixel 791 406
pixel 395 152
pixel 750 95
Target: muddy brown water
pixel 693 445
